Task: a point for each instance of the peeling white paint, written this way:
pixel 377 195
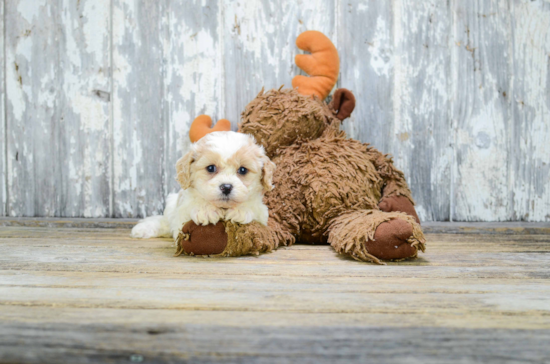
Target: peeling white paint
pixel 380 52
pixel 3 141
pixel 480 166
pixel 362 7
pixel 91 111
pixel 15 90
pixel 31 9
pixel 96 22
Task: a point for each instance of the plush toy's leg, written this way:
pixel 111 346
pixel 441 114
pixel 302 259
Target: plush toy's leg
pixel 400 204
pixel 231 239
pixel 396 195
pixel 254 238
pixel 371 235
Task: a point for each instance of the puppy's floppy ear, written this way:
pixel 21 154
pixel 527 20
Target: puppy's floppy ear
pixel 267 174
pixel 183 169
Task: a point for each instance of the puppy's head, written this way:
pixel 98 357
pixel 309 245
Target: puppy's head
pixel 226 168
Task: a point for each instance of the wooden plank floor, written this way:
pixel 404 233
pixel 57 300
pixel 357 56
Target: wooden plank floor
pixel 95 295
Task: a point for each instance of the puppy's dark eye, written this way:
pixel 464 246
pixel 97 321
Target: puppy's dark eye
pixel 211 168
pixel 242 171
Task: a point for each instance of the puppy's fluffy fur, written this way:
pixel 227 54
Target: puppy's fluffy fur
pixel 223 176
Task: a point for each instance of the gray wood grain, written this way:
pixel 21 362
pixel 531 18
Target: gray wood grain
pixel 139 129
pixel 33 89
pixel 457 92
pixel 482 110
pixel 521 227
pixel 194 75
pixel 365 45
pixel 529 147
pixel 25 342
pixel 57 74
pixel 421 141
pixel 84 108
pixel 259 45
pixel 96 295
pixel 3 143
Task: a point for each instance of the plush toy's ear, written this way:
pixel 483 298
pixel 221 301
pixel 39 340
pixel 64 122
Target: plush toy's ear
pixel 343 102
pixel 267 174
pixel 183 169
pixel 322 65
pixel 202 126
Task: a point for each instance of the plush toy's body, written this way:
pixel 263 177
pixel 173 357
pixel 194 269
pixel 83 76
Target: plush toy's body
pixel 328 188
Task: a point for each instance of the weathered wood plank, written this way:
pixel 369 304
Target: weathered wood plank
pixel 397 295
pixel 421 138
pixel 69 223
pixel 502 276
pixel 161 318
pixel 147 342
pixel 33 88
pixel 139 128
pixel 365 44
pixel 3 142
pixel 85 114
pixel 58 107
pixel 87 295
pixel 123 261
pixel 38 249
pixel 482 75
pixel 398 69
pixel 529 150
pixel 428 227
pixel 259 45
pixel 193 81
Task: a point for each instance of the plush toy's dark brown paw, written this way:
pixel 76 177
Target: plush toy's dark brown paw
pixel 390 240
pixel 202 240
pixel 372 235
pixel 400 204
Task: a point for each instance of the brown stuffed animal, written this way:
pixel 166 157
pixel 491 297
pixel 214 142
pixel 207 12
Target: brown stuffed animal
pixel 328 188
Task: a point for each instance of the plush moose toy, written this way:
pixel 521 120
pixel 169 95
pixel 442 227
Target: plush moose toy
pixel 328 188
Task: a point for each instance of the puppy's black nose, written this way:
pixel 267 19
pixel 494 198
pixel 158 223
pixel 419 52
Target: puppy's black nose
pixel 226 189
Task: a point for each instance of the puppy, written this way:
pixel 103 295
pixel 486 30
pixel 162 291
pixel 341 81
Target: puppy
pixel 223 177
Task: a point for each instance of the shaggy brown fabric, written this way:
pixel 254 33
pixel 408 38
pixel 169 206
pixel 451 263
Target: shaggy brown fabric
pixel 319 180
pixel 343 103
pixel 394 179
pixel 363 235
pixel 321 174
pixel 280 117
pixel 398 203
pixel 253 238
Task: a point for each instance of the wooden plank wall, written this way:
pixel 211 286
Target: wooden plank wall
pixel 3 143
pixel 97 96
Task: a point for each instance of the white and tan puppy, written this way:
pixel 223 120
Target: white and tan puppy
pixel 223 177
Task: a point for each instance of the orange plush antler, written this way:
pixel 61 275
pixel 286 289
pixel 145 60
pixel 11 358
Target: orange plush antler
pixel 322 64
pixel 201 126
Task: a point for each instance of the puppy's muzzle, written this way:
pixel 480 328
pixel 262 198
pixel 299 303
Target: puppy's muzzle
pixel 226 189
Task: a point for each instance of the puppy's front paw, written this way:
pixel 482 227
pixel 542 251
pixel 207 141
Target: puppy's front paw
pixel 239 216
pixel 206 215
